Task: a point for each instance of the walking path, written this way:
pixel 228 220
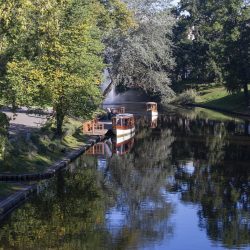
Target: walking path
pixel 23 121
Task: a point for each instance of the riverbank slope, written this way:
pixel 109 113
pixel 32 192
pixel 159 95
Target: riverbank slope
pixel 218 98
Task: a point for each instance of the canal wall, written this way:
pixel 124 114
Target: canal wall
pixel 13 201
pixel 57 166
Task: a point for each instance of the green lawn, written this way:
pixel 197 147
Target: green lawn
pixel 42 149
pixel 219 97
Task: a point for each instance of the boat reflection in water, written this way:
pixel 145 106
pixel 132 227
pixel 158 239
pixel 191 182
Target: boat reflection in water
pixel 123 144
pixel 152 121
pixel 117 145
pixel 151 108
pixel 123 127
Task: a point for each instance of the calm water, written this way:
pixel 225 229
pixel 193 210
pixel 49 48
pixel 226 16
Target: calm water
pixel 182 182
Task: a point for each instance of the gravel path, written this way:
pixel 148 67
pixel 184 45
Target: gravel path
pixel 24 122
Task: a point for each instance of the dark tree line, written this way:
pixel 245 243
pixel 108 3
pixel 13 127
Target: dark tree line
pixel 212 43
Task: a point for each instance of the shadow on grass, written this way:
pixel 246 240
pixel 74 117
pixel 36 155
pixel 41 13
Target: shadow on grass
pixel 33 154
pixel 233 102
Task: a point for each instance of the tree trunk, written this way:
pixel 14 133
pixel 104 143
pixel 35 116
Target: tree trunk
pixel 59 121
pixel 109 87
pixel 246 94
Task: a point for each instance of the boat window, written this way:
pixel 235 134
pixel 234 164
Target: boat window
pixel 119 122
pixel 126 122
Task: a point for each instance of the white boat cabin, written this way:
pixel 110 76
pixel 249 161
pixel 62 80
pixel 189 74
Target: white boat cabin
pixel 123 124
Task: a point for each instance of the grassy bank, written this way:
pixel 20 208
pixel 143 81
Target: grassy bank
pixel 34 153
pixel 219 97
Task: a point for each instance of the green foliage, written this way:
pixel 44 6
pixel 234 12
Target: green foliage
pixel 237 53
pixel 212 43
pixel 143 57
pixel 4 126
pixel 185 97
pixel 52 53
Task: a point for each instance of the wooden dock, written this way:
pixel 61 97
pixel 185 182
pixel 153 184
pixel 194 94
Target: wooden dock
pixel 96 127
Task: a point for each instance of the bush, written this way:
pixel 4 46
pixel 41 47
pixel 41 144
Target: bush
pixel 186 97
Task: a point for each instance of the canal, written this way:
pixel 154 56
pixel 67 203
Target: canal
pixel 181 182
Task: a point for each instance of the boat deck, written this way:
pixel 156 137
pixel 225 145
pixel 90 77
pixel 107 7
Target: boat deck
pixel 97 128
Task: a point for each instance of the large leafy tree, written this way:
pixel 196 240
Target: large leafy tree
pixel 61 63
pixel 237 52
pixel 58 60
pixel 143 57
pixel 212 43
pixel 198 37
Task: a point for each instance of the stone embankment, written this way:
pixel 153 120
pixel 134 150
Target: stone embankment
pixel 11 202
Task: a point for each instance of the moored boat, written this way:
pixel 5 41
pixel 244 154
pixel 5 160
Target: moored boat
pixel 122 145
pixel 123 124
pixel 152 108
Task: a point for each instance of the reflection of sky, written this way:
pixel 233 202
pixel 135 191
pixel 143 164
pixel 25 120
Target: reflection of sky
pixel 115 220
pixel 186 233
pixel 182 230
pixel 188 167
pixel 101 163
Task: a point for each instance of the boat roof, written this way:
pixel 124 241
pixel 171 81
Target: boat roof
pixel 151 103
pixel 125 115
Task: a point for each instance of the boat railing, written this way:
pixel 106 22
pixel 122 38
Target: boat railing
pixel 118 110
pixel 94 127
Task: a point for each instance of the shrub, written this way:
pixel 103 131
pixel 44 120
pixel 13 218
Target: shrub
pixel 186 97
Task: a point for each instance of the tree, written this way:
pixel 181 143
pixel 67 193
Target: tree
pixel 61 64
pixel 4 126
pixel 59 60
pixel 212 43
pixel 237 52
pixel 143 57
pixel 198 37
pixel 13 32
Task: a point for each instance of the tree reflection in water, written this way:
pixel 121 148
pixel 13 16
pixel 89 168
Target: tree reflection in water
pixel 220 180
pixel 64 216
pixel 125 204
pixel 138 178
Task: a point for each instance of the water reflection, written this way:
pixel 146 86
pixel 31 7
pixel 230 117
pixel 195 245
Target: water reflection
pixel 62 217
pixel 218 177
pixel 186 177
